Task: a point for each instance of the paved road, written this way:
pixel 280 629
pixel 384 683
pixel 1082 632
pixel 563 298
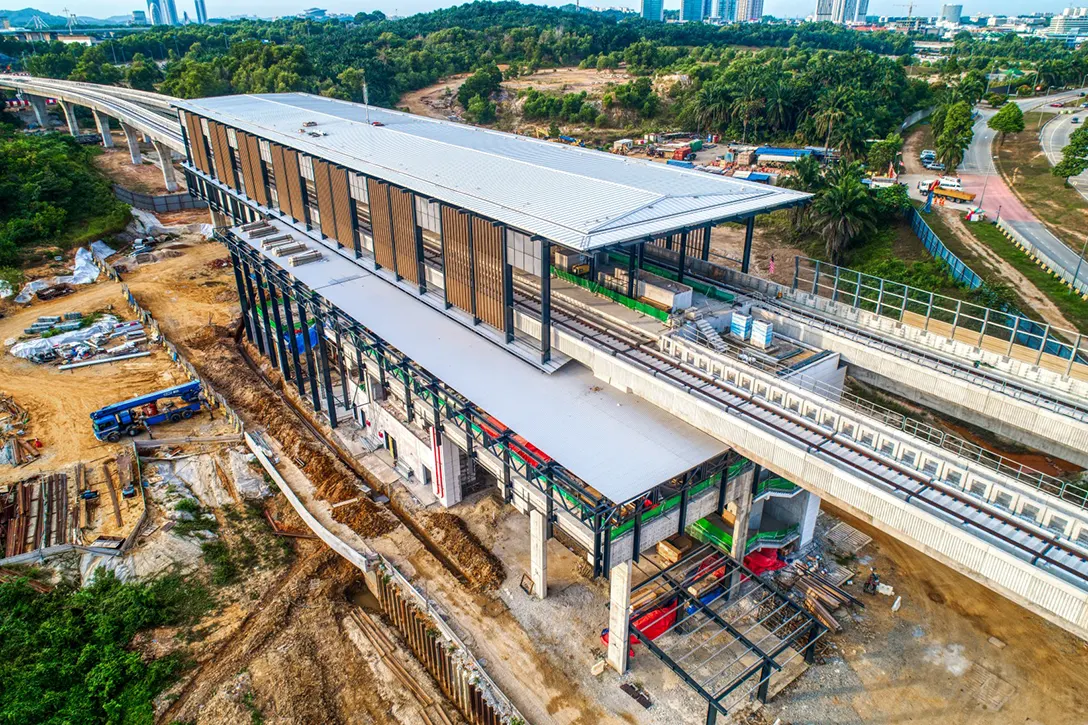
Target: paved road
pixel 1055 137
pixel 980 176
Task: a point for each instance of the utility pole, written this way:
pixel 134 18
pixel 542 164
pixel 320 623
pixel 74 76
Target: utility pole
pixel 1079 261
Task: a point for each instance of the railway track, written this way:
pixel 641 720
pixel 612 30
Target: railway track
pixel 1029 543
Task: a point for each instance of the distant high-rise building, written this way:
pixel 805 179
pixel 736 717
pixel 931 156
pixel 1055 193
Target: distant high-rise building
pixel 823 10
pixel 169 12
pixel 843 11
pixel 749 11
pixel 139 17
pixel 201 12
pixel 1072 23
pixel 863 11
pixel 691 10
pixel 708 9
pixel 653 9
pixel 153 12
pixel 952 14
pixel 727 11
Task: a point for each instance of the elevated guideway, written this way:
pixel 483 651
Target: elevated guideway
pixel 899 483
pixel 148 113
pixel 1002 390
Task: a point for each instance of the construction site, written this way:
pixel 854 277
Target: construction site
pixel 494 462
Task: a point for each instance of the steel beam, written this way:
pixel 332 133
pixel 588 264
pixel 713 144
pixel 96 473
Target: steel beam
pixel 270 349
pixel 311 373
pixel 237 265
pixel 326 374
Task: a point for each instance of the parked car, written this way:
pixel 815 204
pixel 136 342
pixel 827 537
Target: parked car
pixel 951 182
pixel 1055 105
pixel 935 166
pixel 1075 119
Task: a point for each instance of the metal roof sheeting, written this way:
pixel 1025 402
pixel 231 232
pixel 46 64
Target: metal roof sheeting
pixel 577 197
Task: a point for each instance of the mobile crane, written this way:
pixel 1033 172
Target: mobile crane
pixel 137 414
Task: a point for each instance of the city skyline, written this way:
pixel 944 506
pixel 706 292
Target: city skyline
pixel 275 8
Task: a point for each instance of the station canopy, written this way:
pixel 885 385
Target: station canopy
pixel 576 197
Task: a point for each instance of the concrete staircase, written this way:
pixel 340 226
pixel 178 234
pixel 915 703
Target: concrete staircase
pixel 713 338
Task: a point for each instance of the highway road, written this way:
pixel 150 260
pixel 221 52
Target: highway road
pixel 980 176
pixel 1055 137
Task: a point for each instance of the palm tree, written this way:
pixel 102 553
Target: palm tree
pixel 833 108
pixel 778 105
pixel 845 211
pixel 805 177
pixel 747 105
pixel 712 105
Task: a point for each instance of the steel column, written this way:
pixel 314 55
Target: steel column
pixel 706 244
pixel 290 321
pixel 274 292
pixel 341 366
pixel 270 349
pixel 234 261
pixel 683 256
pixel 257 339
pixel 545 301
pixel 311 373
pixel 746 259
pixel 631 272
pixel 326 374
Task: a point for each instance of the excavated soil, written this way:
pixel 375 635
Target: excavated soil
pixel 215 356
pixel 483 568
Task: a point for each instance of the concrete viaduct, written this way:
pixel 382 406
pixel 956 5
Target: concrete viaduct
pixel 149 116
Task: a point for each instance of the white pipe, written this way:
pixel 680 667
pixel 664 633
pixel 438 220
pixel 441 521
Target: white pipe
pixel 87 363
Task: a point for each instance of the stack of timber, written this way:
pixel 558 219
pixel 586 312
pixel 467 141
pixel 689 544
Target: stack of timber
pixel 14 447
pixel 17 519
pixel 821 598
pixel 673 548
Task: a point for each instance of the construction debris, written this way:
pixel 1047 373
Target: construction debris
pixel 15 448
pixel 75 341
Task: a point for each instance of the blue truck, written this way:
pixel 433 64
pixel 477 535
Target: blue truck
pixel 132 416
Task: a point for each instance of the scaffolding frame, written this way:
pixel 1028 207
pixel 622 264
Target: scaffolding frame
pixel 719 624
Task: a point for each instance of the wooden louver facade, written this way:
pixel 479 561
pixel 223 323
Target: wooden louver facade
pixel 405 243
pixel 487 241
pixel 198 147
pixel 342 206
pixel 224 165
pixel 381 223
pixel 457 252
pixel 323 188
pixel 249 152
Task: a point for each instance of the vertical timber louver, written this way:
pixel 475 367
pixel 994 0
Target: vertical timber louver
pixel 257 188
pixel 381 223
pixel 246 163
pixel 341 202
pixel 487 240
pixel 279 172
pixel 293 184
pixel 455 253
pixel 404 233
pixel 224 167
pixel 323 187
pixel 198 145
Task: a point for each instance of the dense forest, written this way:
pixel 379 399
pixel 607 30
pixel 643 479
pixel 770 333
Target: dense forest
pixel 50 193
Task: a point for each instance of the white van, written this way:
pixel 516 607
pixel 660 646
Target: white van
pixel 950 182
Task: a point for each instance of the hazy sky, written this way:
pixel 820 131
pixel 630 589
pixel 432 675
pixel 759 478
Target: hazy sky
pixel 267 8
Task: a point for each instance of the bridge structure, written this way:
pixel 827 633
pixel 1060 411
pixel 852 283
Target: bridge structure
pixel 140 114
pixel 498 311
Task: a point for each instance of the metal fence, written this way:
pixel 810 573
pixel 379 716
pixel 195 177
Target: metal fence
pixel 933 244
pixel 999 331
pixel 161 203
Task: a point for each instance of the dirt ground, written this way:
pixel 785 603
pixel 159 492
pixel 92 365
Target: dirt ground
pixel 145 178
pixel 432 101
pixel 955 652
pixel 998 267
pixel 727 245
pixel 60 403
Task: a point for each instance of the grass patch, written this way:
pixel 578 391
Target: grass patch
pixel 1027 172
pixel 217 556
pixel 1071 305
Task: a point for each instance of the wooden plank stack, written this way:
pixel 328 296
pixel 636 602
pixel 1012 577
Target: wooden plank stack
pixel 673 548
pixel 822 598
pixel 13 421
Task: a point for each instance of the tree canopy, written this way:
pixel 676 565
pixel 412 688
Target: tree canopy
pixel 1074 155
pixel 1010 119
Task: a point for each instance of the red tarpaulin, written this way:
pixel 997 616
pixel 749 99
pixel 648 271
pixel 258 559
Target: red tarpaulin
pixel 763 560
pixel 653 624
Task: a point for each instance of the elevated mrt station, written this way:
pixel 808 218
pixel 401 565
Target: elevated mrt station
pixel 413 277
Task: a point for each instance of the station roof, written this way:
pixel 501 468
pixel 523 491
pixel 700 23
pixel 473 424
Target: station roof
pixel 577 197
pixel 616 442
